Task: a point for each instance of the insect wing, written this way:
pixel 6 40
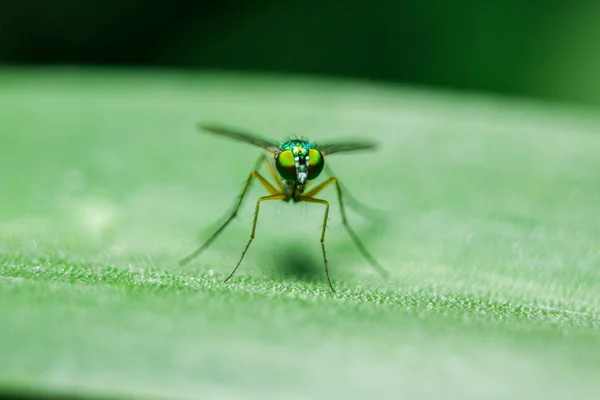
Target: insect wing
pixel 345 147
pixel 241 136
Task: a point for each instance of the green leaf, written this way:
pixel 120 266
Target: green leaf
pixel 488 223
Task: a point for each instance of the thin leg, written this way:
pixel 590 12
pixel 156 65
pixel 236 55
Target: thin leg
pixel 326 204
pixel 253 174
pixel 263 159
pixel 352 202
pixel 276 196
pixel 274 174
pixel 351 232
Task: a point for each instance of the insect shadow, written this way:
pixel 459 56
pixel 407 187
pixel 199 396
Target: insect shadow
pixel 295 263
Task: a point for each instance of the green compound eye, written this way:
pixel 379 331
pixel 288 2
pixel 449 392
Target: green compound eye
pixel 286 165
pixel 315 163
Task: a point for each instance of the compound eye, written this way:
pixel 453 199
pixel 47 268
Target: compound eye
pixel 286 165
pixel 316 163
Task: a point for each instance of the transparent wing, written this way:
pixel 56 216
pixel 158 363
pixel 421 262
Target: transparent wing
pixel 240 136
pixel 344 147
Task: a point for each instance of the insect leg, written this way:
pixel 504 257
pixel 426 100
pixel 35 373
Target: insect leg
pixel 326 204
pixel 274 174
pixel 352 202
pixel 275 196
pixel 253 174
pixel 351 232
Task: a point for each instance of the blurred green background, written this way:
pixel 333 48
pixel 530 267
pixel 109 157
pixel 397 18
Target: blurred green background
pixel 540 49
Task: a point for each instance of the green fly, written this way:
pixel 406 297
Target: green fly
pixel 292 164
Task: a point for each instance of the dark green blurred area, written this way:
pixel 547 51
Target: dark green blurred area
pixel 542 49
